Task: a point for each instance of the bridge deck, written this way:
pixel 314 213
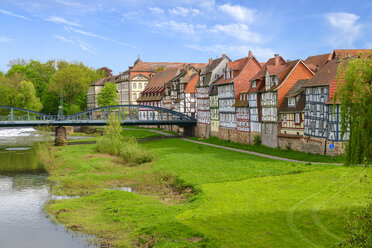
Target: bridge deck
pixel 94 123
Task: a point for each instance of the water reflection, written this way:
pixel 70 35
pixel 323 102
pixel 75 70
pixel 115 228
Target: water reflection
pixel 23 192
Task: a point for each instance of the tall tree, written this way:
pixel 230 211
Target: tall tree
pixel 108 96
pixel 355 95
pixel 27 97
pixel 74 80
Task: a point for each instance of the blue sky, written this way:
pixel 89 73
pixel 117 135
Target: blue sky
pixel 113 33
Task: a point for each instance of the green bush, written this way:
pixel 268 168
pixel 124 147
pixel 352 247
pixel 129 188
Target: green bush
pixel 257 140
pixel 127 148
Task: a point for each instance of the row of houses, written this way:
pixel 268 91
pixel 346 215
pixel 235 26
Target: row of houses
pixel 285 103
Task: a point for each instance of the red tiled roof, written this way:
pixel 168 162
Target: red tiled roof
pixel 154 66
pixel 98 82
pixel 318 61
pixel 345 53
pixel 190 88
pixel 270 62
pixel 325 75
pixel 237 65
pixel 157 82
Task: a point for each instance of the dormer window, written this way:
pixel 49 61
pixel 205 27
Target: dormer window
pixel 254 84
pixel 241 97
pixel 273 79
pixel 292 102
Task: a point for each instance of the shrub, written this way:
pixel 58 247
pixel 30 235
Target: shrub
pixel 44 151
pixel 126 148
pixel 257 140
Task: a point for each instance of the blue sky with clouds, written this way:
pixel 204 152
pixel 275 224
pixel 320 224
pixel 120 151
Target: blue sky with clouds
pixel 113 33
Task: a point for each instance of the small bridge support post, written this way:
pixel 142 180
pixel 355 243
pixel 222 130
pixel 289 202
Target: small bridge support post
pixel 189 131
pixel 61 136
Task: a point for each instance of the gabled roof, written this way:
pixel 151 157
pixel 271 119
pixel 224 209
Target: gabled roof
pixel 345 53
pixel 237 66
pixel 270 62
pixel 190 88
pixel 156 83
pixel 299 107
pixel 325 75
pixel 318 61
pixel 98 82
pixel 139 74
pixel 297 88
pixel 154 66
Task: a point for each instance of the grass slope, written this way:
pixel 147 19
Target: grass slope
pixel 292 154
pixel 242 200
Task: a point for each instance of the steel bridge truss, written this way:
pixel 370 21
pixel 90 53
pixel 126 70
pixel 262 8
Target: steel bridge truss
pixel 127 114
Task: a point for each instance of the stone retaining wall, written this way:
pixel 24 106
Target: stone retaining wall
pixel 203 130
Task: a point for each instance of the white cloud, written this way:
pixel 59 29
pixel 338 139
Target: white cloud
pixel 79 6
pixel 62 38
pixel 87 47
pixel 181 11
pixel 346 28
pixel 156 10
pixel 85 33
pixel 60 20
pixel 240 31
pixel 181 27
pixel 240 13
pixel 5 39
pixel 4 12
pixel 236 50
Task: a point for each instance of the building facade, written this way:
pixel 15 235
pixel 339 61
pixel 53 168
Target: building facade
pixel 279 79
pixel 207 77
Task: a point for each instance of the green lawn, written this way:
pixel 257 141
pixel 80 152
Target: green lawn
pixel 292 154
pixel 138 134
pixel 239 200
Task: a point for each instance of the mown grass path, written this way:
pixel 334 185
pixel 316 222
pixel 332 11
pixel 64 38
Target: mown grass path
pixel 240 200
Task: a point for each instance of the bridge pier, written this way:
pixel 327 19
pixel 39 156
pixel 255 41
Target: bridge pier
pixel 61 136
pixel 189 131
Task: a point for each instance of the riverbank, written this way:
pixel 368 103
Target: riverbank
pixel 198 196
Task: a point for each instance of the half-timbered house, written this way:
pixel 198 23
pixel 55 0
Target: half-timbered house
pixel 154 92
pixel 215 113
pixel 279 79
pixel 207 77
pixel 292 117
pixel 235 79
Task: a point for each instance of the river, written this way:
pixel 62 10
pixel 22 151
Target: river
pixel 24 190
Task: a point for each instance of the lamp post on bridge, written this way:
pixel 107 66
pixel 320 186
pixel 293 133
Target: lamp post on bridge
pixel 60 107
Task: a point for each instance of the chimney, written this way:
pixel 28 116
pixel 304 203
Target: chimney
pixel 223 55
pixel 276 59
pixel 250 53
pixel 210 61
pixel 187 69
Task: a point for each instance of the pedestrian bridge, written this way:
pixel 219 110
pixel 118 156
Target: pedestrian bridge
pixel 128 115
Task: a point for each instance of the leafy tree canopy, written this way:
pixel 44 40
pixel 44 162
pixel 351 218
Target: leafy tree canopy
pixel 74 80
pixel 108 95
pixel 355 96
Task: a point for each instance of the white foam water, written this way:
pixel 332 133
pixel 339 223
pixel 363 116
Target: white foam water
pixel 17 132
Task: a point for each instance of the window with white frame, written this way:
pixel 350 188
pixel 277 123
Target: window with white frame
pixel 139 85
pixel 297 118
pixel 134 86
pixel 284 118
pixel 254 84
pixel 134 96
pixel 291 102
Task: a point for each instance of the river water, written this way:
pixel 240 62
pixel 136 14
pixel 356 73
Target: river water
pixel 24 190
